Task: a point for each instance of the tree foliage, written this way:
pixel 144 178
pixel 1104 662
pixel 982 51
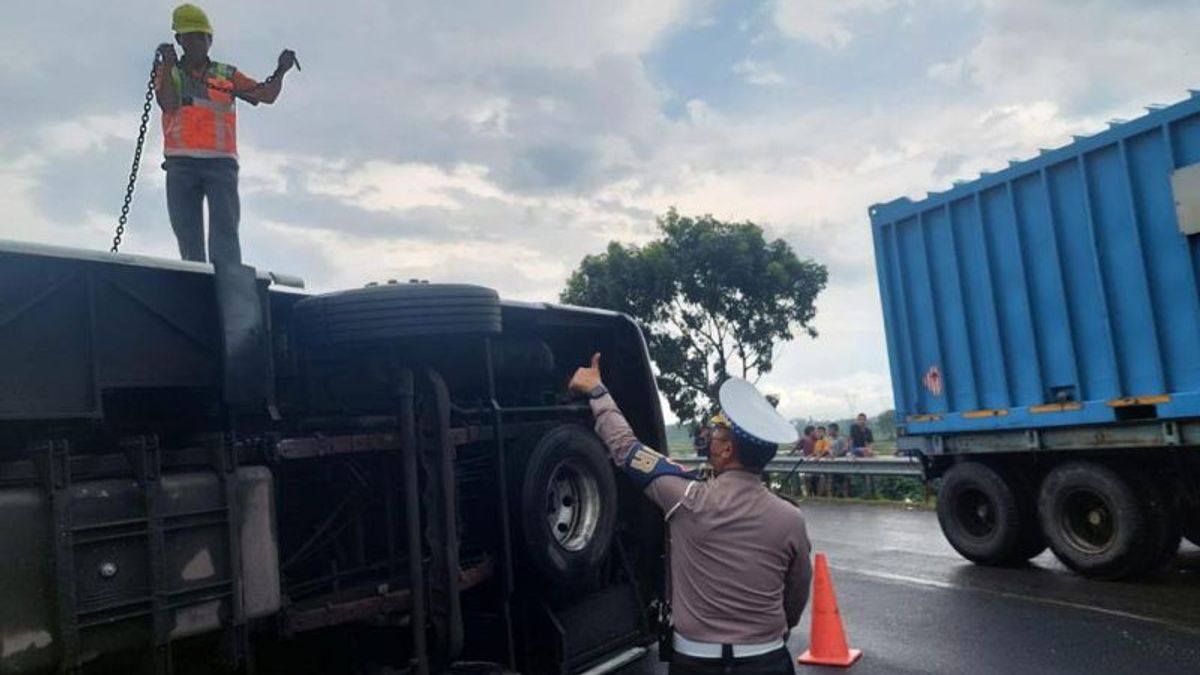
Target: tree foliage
pixel 714 298
pixel 885 425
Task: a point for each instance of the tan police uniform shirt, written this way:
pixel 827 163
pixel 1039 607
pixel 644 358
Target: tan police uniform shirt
pixel 740 567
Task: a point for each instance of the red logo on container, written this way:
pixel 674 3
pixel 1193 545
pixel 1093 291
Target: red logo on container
pixel 933 381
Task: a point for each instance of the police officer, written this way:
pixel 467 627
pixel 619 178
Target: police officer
pixel 739 566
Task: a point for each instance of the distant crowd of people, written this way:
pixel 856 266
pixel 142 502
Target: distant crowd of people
pixel 818 442
pixel 827 442
pixel 824 442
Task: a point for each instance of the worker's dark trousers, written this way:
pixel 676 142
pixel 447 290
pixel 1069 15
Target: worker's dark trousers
pixel 778 662
pixel 190 181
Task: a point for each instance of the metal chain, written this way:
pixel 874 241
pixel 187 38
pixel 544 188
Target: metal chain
pixel 141 140
pixel 137 157
pixel 231 89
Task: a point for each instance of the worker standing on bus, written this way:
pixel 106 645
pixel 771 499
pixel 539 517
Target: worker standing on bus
pixel 199 123
pixel 739 568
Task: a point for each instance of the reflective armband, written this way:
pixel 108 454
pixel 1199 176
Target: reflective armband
pixel 644 465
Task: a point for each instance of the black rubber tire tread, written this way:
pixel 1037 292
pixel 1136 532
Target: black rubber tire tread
pixel 1162 522
pixel 1001 546
pixel 384 313
pixel 1189 522
pixel 1031 541
pixel 1191 527
pixel 561 567
pixel 479 668
pixel 408 314
pixel 1127 553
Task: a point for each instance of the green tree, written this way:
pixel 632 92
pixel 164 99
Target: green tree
pixel 714 299
pixel 885 425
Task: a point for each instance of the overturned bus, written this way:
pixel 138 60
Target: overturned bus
pixel 206 470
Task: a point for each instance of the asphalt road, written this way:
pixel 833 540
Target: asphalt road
pixel 914 606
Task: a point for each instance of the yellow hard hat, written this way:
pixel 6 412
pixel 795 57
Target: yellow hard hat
pixel 188 18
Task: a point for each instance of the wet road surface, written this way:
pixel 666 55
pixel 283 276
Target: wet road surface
pixel 914 606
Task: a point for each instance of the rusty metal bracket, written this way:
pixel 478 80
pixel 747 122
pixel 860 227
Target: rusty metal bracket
pixel 225 462
pixel 412 515
pixel 441 527
pixel 307 447
pixel 1170 432
pixel 506 570
pixel 1033 439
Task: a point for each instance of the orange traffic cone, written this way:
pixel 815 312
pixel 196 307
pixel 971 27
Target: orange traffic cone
pixel 827 645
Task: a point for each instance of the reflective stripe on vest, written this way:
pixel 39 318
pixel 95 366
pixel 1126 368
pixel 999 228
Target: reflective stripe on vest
pixel 205 123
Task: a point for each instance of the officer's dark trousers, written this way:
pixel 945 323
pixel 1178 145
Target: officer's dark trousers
pixel 778 662
pixel 190 182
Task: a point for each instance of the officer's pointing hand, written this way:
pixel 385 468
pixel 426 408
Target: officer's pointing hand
pixel 586 379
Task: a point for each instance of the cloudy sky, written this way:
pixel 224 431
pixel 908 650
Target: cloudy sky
pixel 500 142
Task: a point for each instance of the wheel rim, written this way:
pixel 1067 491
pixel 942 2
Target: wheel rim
pixel 572 506
pixel 1087 521
pixel 976 513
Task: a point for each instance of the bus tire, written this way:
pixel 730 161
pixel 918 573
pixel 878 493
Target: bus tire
pixel 568 505
pixel 383 314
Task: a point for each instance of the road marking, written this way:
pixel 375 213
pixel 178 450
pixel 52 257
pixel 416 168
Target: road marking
pixel 933 583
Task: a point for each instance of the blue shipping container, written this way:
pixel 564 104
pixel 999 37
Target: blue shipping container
pixel 1059 291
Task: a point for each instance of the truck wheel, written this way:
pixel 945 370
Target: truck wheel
pixel 568 505
pixel 1162 522
pixel 479 668
pixel 982 516
pixel 1094 521
pixel 1192 531
pixel 393 311
pixel 1189 522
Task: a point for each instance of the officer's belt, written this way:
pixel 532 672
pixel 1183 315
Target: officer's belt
pixel 715 650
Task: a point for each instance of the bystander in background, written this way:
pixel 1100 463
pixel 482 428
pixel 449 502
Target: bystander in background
pixel 861 438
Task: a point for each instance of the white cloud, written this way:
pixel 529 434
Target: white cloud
pixel 949 72
pixel 835 398
pixel 263 172
pixel 824 23
pixel 490 118
pixel 385 186
pixel 1085 56
pixel 759 74
pixel 355 261
pixel 88 133
pixel 16 185
pixel 699 113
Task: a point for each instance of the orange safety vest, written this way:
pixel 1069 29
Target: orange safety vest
pixel 205 123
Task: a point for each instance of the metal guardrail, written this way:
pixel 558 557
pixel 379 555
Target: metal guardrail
pixel 872 466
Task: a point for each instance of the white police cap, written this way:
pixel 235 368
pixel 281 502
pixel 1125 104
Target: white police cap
pixel 752 416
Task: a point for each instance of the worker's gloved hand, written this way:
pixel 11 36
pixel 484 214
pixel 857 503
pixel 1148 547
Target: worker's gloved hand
pixel 587 379
pixel 287 59
pixel 166 52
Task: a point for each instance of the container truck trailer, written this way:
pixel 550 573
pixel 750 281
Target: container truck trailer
pixel 206 471
pixel 1043 333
